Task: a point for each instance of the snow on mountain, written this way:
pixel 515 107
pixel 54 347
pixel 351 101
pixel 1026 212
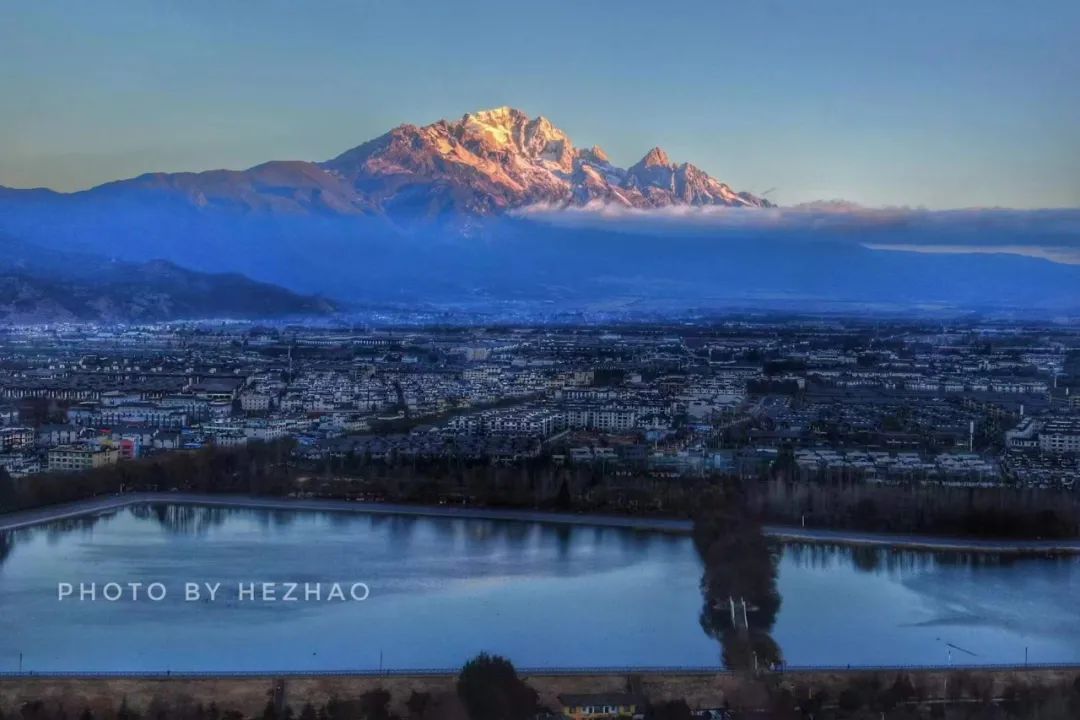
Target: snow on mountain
pixel 486 163
pixel 494 160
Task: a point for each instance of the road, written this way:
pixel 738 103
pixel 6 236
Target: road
pixel 14 521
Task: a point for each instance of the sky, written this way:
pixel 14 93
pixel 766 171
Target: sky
pixel 924 103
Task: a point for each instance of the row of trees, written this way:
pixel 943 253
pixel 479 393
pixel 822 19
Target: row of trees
pixel 489 688
pixel 774 497
pixel 957 696
pixel 1001 511
pixel 255 468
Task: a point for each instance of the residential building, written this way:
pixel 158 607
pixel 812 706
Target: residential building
pixel 602 705
pixel 68 458
pixel 1061 435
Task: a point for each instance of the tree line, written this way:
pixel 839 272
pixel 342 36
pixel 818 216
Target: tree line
pixel 773 496
pixel 489 688
pixel 255 468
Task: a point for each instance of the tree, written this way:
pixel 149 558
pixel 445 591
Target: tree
pixel 34 710
pixel 811 707
pixel 126 713
pixel 739 567
pixel 850 700
pixel 671 710
pixel 490 689
pixel 902 690
pixel 8 494
pixel 562 500
pixel 374 705
pixel 418 704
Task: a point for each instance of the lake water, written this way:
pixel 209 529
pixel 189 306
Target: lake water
pixel 442 590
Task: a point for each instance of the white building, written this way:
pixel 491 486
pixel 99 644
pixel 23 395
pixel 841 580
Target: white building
pixel 1060 436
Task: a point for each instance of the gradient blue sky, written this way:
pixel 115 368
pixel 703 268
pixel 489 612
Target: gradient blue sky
pixel 946 103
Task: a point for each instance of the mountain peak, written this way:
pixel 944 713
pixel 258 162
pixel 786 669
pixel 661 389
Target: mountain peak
pixel 506 129
pixel 656 158
pixel 500 111
pixel 487 162
pixel 503 116
pixel 597 154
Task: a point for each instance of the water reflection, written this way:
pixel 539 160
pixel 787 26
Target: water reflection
pixel 188 520
pixel 739 589
pixel 542 594
pixel 895 561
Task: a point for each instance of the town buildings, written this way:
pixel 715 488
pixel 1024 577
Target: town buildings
pixel 874 401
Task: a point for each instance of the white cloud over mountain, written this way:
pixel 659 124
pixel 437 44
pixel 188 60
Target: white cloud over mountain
pixel 1050 234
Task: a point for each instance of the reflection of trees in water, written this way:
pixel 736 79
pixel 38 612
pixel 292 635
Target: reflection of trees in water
pixel 276 519
pixel 518 535
pixel 400 528
pixel 740 564
pixel 564 535
pixel 635 542
pixel 7 542
pixel 53 531
pixel 192 520
pixel 896 561
pixel 866 559
pixel 481 536
pixel 56 530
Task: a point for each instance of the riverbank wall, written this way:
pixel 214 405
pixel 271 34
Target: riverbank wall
pixel 249 694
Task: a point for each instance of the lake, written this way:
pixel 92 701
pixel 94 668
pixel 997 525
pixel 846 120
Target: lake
pixel 443 589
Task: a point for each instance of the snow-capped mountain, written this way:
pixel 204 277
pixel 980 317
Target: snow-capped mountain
pixel 494 160
pixel 483 164
pixel 428 214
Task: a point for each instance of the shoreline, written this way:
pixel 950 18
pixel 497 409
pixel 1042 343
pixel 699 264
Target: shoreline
pixel 787 534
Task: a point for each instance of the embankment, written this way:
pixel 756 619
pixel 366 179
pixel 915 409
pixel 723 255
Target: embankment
pixel 249 694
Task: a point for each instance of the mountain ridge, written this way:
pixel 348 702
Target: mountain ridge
pixel 39 285
pixel 485 163
pixel 430 214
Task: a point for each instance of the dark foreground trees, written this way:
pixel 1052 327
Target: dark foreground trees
pixel 990 695
pixel 490 689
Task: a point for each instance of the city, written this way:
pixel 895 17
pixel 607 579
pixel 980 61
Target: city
pixel 876 401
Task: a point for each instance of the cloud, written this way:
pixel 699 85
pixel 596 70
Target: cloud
pixel 1057 254
pixel 1051 234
